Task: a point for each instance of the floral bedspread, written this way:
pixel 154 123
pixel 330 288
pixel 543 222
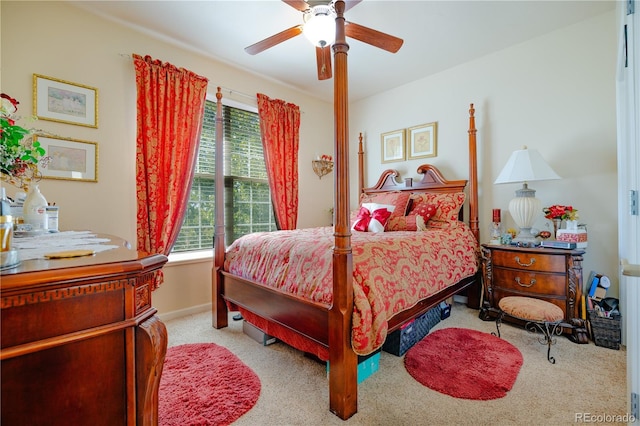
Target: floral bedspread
pixel 392 271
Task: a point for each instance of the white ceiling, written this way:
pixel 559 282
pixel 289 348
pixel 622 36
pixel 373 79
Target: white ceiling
pixel 437 34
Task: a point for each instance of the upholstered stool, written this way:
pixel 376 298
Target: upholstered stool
pixel 539 316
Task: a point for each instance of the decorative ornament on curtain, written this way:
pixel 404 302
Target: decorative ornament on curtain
pixel 170 105
pixel 280 131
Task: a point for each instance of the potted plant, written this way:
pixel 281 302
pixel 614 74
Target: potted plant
pixel 20 154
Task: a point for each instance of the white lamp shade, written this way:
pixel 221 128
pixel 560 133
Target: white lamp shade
pixel 526 165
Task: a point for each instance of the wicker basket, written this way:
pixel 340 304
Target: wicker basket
pixel 605 331
pixel 400 341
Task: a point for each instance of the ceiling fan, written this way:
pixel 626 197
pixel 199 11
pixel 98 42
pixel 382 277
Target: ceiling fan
pixel 319 26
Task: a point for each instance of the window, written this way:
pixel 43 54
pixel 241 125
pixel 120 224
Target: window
pixel 248 201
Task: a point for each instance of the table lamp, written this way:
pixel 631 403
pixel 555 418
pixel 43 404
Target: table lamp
pixel 525 165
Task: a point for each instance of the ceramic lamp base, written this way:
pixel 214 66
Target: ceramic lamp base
pixel 525 238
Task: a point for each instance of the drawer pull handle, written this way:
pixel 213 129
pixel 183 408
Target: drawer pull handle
pixel 531 262
pixel 532 282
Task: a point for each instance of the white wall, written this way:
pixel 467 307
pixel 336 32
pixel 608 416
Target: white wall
pixel 58 40
pixel 555 93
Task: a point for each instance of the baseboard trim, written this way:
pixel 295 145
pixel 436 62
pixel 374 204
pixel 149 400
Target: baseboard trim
pixel 168 316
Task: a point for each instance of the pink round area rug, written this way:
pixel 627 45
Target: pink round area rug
pixel 464 363
pixel 205 384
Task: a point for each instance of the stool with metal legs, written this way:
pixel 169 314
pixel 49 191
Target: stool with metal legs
pixel 539 315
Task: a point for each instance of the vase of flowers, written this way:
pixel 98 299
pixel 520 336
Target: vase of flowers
pixel 557 213
pixel 20 154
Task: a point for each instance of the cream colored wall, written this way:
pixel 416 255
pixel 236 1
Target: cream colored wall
pixel 555 93
pixel 59 40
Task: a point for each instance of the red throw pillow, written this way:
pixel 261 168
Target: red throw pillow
pixel 415 221
pixel 448 204
pixel 372 217
pixel 400 201
pixel 423 213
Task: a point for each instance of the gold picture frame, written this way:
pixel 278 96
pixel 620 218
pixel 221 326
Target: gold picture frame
pixel 422 141
pixel 69 159
pixel 392 144
pixel 64 101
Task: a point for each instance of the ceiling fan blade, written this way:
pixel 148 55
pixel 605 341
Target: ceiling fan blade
pixel 300 5
pixel 350 3
pixel 323 57
pixel 273 40
pixel 375 38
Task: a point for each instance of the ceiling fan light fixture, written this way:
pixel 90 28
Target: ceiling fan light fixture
pixel 320 26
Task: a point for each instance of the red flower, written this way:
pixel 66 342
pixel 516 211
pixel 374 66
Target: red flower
pixel 560 212
pixel 10 99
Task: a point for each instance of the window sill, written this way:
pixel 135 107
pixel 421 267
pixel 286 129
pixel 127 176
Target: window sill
pixel 200 256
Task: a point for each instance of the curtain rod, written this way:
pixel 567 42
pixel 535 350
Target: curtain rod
pixel 229 91
pixel 226 89
pixel 235 92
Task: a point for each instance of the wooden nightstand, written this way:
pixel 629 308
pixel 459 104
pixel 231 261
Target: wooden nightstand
pixel 553 275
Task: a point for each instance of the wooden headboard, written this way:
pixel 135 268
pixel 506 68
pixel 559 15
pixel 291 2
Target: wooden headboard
pixel 432 181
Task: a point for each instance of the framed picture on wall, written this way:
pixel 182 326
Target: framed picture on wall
pixel 70 159
pixel 393 146
pixel 422 141
pixel 64 102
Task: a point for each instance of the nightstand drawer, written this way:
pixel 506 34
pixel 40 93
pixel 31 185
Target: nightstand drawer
pixel 529 261
pixel 529 282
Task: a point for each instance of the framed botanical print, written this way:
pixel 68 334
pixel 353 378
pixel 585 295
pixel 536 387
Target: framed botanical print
pixel 422 141
pixel 393 146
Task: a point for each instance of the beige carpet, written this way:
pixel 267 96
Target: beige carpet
pixel 585 379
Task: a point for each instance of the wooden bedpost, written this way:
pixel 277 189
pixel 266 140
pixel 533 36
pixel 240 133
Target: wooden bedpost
pixel 360 167
pixel 343 379
pixel 218 306
pixel 474 292
pixel 473 176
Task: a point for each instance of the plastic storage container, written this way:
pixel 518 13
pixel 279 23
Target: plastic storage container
pixel 35 210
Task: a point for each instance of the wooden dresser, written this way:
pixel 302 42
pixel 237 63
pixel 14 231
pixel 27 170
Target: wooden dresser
pixel 553 275
pixel 81 344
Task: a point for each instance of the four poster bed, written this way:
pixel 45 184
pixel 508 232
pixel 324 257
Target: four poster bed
pixel 351 288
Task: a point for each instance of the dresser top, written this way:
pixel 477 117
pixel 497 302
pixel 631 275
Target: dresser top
pixel 540 250
pixel 117 260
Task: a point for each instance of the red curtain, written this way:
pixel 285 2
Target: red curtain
pixel 280 131
pixel 170 107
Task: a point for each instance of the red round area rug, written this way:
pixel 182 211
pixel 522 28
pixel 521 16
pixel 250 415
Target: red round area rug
pixel 464 363
pixel 205 384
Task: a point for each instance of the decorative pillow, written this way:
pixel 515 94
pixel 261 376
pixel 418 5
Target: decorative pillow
pixel 400 201
pixel 423 213
pixel 372 217
pixel 415 221
pixel 448 204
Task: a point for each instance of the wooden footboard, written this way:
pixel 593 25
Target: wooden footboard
pixel 305 318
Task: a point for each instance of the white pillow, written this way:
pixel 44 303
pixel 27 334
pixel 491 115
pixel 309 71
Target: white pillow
pixel 377 221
